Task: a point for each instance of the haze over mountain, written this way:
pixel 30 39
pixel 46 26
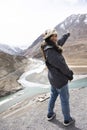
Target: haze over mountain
pixel 11 49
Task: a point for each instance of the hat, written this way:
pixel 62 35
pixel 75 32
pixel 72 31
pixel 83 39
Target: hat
pixel 48 33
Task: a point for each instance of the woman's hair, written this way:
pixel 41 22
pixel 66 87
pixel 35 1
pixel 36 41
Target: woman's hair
pixel 43 46
pixel 47 42
pixel 48 39
pixel 42 49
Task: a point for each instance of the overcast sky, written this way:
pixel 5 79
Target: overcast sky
pixel 22 21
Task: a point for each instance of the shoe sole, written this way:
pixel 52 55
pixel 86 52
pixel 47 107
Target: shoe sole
pixel 70 123
pixel 49 119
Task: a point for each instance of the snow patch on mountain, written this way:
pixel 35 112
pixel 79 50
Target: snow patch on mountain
pixel 77 21
pixel 85 21
pixel 10 49
pixel 72 18
pixel 62 26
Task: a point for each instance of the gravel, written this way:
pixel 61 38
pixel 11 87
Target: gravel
pixel 33 117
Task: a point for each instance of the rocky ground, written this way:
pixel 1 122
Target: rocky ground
pixel 32 115
pixel 11 68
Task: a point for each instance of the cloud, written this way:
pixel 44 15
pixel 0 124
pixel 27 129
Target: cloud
pixel 72 1
pixel 69 2
pixel 22 21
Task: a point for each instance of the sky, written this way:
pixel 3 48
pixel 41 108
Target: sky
pixel 22 21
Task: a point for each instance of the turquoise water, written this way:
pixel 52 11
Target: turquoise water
pixel 29 92
pixel 22 95
pixel 78 83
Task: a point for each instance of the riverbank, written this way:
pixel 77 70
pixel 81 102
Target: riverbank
pixel 27 104
pixel 35 82
pixel 32 116
pixel 38 74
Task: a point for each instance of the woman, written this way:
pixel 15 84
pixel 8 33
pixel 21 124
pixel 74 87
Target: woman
pixel 58 74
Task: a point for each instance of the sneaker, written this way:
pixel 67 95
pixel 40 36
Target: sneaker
pixel 67 123
pixel 51 117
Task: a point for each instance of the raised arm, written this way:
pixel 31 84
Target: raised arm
pixel 63 39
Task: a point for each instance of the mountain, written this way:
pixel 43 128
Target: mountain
pixel 75 49
pixel 76 25
pixel 11 50
pixel 12 66
pixel 13 60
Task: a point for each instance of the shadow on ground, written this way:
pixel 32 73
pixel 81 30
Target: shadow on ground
pixel 60 125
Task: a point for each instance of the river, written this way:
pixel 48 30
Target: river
pixel 34 88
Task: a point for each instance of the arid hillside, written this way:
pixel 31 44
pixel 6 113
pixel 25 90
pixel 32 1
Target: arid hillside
pixel 75 49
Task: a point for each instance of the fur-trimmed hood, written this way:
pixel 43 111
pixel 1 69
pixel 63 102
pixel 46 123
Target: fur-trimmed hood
pixel 51 45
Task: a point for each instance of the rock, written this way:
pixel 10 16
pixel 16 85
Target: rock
pixel 11 68
pixel 43 97
pixel 34 116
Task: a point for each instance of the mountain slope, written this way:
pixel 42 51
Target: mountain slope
pixel 11 68
pixel 76 24
pixel 75 48
pixel 11 50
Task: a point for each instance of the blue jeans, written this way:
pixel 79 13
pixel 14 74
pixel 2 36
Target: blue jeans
pixel 64 97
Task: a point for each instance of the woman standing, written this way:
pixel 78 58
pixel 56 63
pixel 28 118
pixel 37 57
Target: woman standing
pixel 58 74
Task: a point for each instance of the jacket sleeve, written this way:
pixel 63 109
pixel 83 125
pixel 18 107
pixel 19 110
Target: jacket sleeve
pixel 63 39
pixel 58 62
